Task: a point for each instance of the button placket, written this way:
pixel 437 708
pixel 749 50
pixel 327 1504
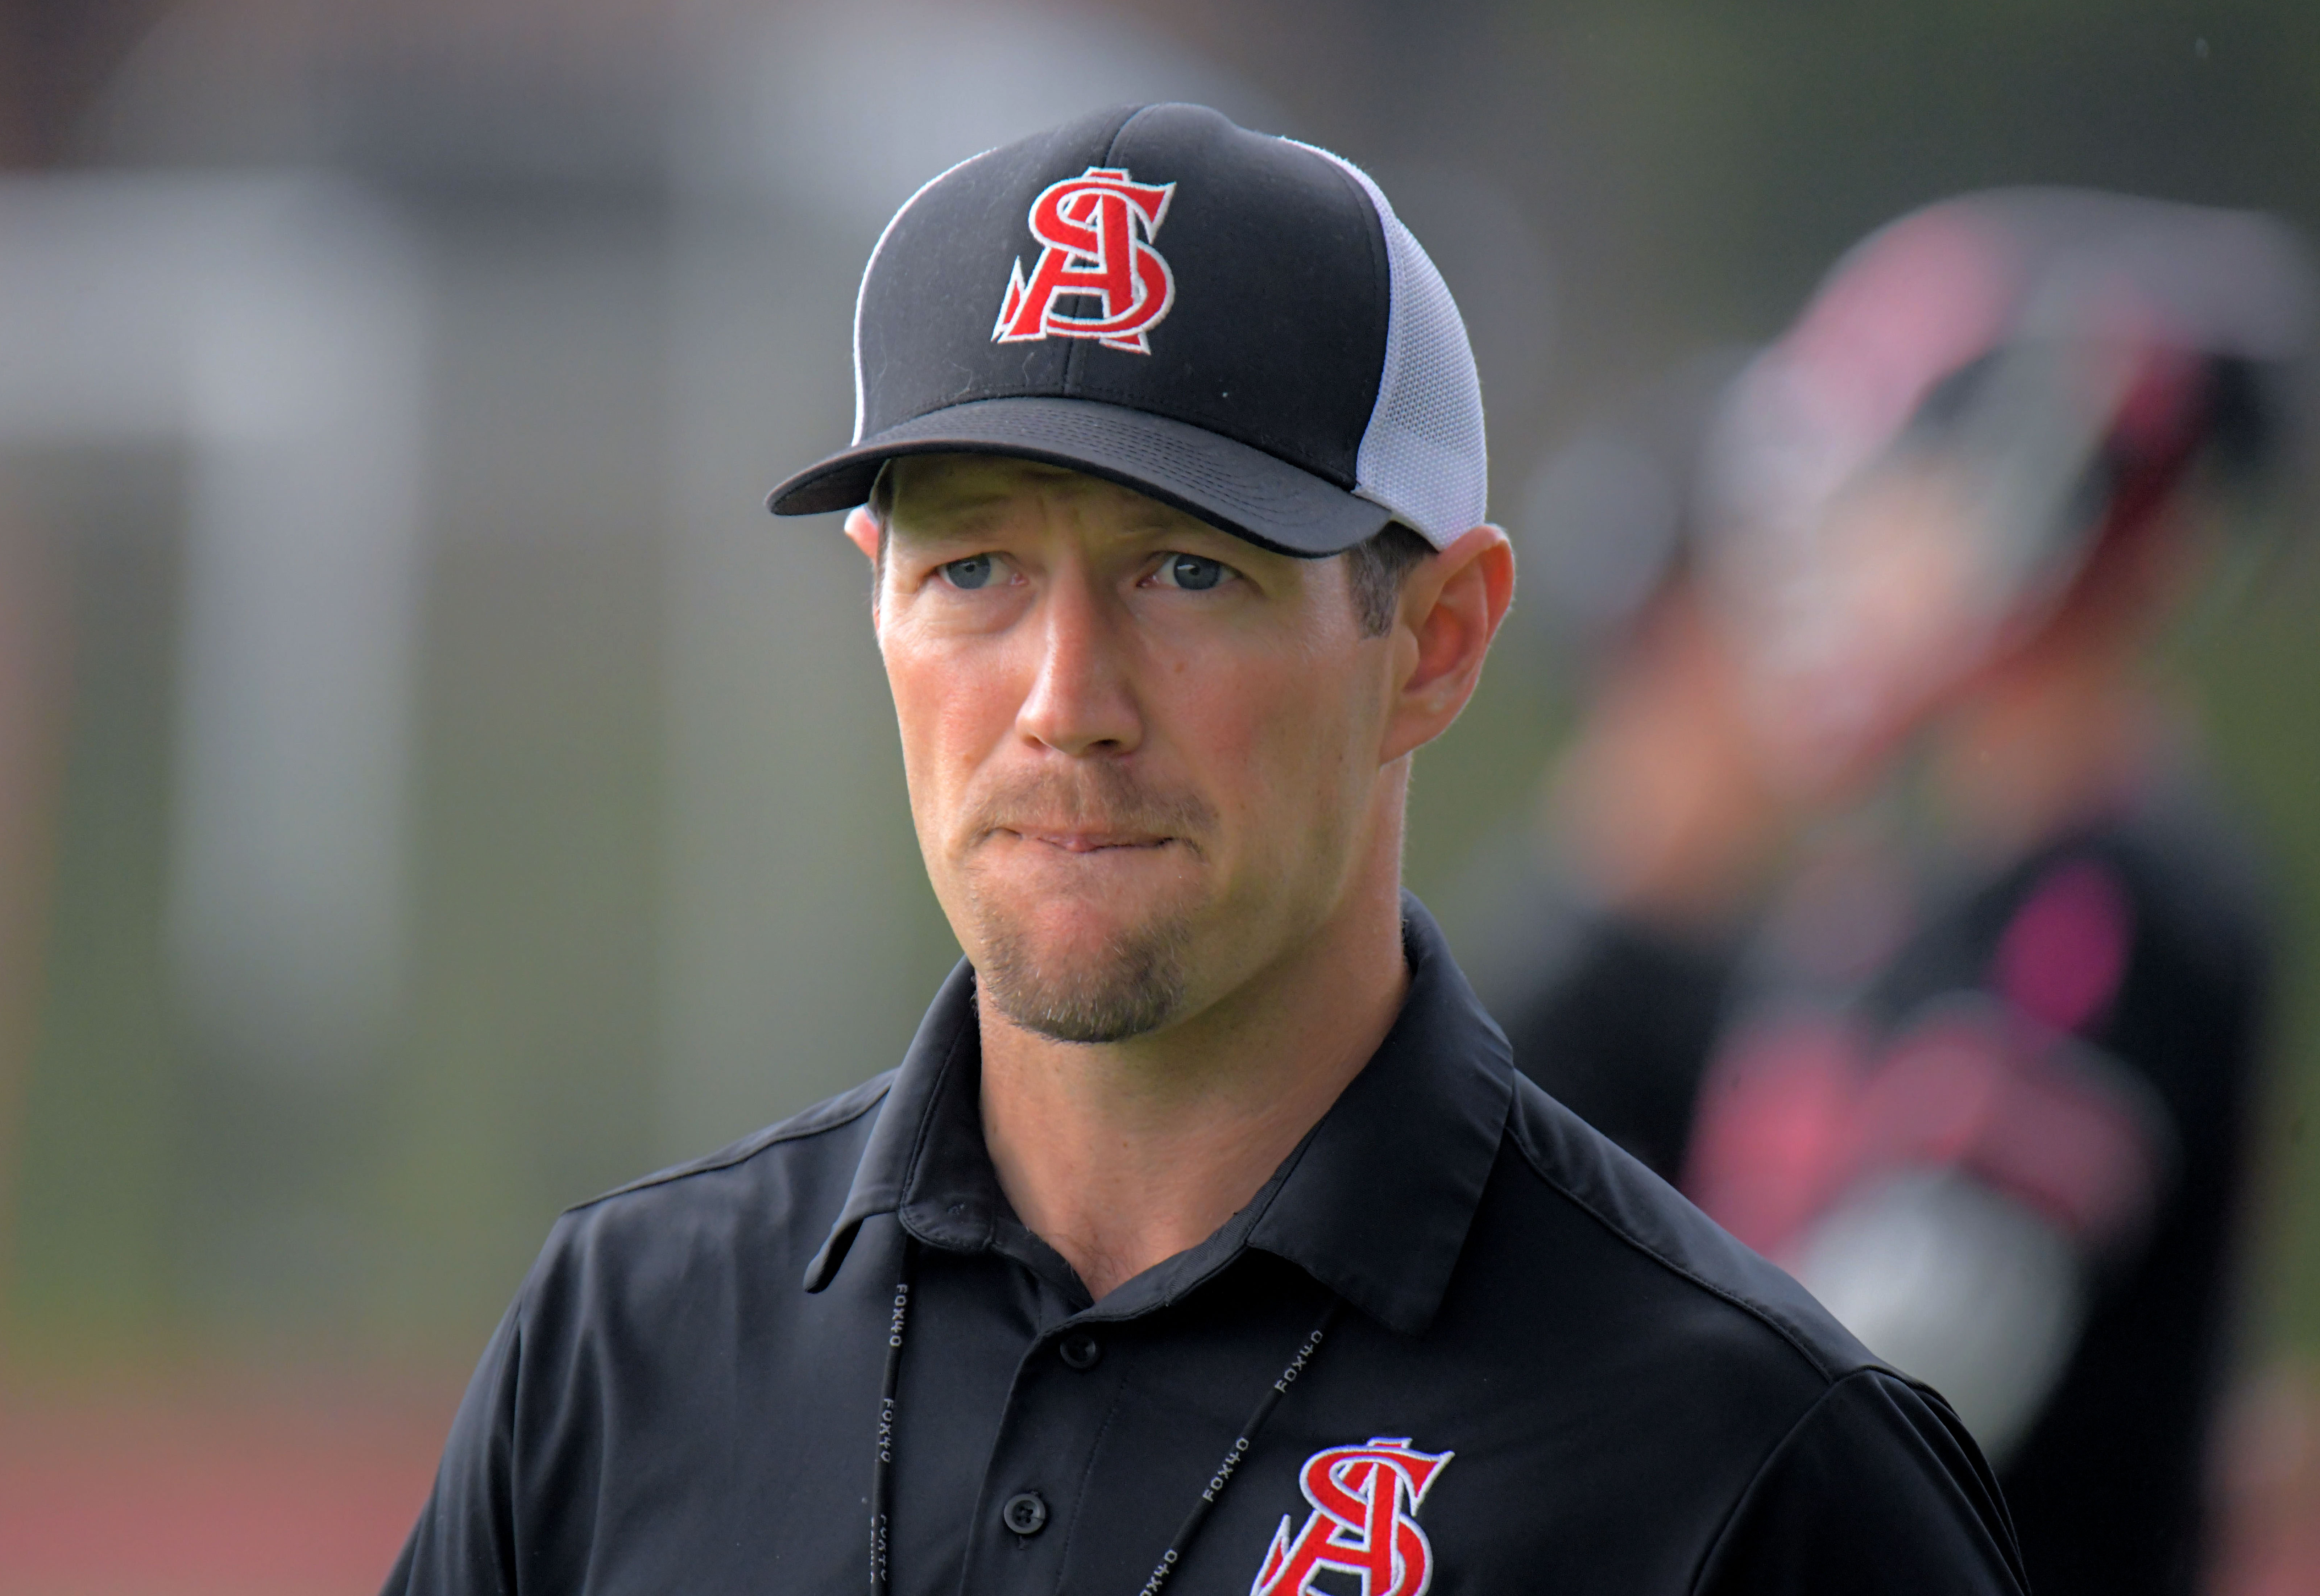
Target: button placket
pixel 1055 1413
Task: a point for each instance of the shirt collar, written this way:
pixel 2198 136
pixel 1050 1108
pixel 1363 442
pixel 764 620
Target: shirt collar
pixel 1374 1204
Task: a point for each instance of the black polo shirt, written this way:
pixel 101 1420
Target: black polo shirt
pixel 1550 1373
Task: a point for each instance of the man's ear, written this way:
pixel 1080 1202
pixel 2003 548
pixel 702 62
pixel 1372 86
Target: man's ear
pixel 862 532
pixel 1451 607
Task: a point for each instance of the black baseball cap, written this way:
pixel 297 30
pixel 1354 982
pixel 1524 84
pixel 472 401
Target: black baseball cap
pixel 1233 324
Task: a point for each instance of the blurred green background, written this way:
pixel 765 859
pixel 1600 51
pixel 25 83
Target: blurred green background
pixel 638 847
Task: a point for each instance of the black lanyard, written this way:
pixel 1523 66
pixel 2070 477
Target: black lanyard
pixel 881 1477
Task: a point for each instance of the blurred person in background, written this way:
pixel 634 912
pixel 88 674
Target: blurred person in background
pixel 1989 1093
pixel 1616 918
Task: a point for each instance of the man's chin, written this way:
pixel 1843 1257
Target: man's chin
pixel 1089 978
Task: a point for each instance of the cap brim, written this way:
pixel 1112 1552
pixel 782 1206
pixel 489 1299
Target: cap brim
pixel 1242 490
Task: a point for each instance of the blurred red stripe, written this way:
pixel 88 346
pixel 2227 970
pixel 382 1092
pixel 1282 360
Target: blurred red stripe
pixel 193 1496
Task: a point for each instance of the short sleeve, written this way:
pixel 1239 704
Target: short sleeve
pixel 464 1543
pixel 1877 1488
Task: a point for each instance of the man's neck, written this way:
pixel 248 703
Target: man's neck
pixel 1121 1155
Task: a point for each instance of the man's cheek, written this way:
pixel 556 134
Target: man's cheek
pixel 1265 745
pixel 1292 737
pixel 950 704
pixel 925 723
pixel 1219 734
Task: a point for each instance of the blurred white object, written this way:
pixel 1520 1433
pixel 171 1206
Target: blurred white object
pixel 785 110
pixel 272 330
pixel 1967 1290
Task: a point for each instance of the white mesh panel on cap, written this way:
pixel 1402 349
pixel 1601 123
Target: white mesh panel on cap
pixel 1423 456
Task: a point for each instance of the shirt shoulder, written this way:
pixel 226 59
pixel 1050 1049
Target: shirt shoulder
pixel 1874 1489
pixel 801 1137
pixel 616 1338
pixel 1741 1406
pixel 769 1198
pixel 1636 1234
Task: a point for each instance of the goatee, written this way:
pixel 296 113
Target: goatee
pixel 1133 981
pixel 1133 984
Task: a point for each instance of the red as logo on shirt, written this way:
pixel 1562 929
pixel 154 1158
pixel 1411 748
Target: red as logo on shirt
pixel 1363 1522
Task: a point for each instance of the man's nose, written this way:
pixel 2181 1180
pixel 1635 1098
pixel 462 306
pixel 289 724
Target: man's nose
pixel 1081 700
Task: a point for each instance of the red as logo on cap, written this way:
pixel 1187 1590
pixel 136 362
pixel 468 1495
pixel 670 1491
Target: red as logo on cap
pixel 1095 231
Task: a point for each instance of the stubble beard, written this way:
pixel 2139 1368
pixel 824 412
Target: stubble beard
pixel 1131 982
pixel 1132 985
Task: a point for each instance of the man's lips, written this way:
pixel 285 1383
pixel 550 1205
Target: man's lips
pixel 1083 842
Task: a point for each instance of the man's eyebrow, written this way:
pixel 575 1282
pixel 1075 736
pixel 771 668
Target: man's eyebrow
pixel 1148 518
pixel 1159 522
pixel 970 519
pixel 975 515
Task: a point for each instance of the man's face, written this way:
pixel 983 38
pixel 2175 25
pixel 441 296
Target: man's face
pixel 1144 756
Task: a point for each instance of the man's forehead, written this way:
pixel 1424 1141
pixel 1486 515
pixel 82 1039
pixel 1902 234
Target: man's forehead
pixel 946 491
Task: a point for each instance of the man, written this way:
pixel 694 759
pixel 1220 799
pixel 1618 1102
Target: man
pixel 1204 1239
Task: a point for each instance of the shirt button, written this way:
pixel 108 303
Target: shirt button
pixel 1025 1514
pixel 1080 1351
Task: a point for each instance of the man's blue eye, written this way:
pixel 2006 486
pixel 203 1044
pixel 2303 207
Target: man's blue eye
pixel 971 573
pixel 1192 571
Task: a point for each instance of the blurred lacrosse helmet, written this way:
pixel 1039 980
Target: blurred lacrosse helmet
pixel 1911 479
